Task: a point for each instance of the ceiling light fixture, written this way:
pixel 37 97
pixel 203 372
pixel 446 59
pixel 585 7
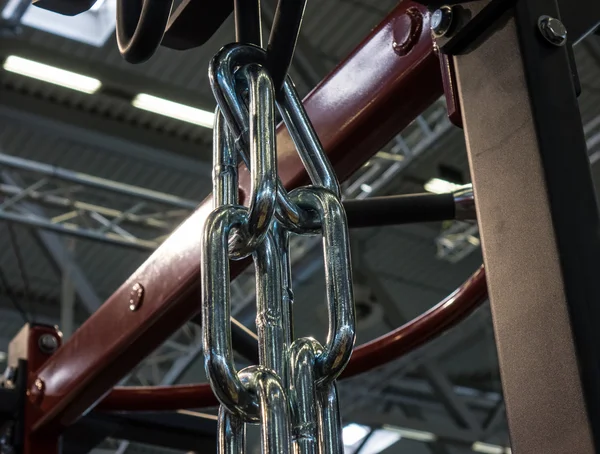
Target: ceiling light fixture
pixel 174 110
pixel 380 440
pixel 487 448
pixel 439 186
pixel 411 434
pixel 51 74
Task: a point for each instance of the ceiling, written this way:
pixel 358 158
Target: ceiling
pixel 442 388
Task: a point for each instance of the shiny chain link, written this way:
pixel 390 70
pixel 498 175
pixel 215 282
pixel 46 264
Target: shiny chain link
pixel 292 392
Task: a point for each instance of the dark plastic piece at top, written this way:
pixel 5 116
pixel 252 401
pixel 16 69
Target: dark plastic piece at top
pixel 140 27
pixel 194 21
pixel 283 37
pixel 65 7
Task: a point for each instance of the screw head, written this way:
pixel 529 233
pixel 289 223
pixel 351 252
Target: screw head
pixel 48 343
pixel 441 21
pixel 136 297
pixel 553 30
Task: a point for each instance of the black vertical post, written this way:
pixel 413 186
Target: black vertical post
pixel 540 229
pixel 248 22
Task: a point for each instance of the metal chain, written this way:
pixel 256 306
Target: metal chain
pixel 292 392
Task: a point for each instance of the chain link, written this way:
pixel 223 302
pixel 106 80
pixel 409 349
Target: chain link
pixel 225 85
pixel 292 392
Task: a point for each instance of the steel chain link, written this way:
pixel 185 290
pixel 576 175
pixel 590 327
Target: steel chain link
pixel 291 393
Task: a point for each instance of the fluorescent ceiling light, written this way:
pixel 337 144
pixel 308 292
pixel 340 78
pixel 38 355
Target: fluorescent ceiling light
pixel 174 110
pixel 487 448
pixel 51 74
pixel 439 186
pixel 353 433
pixel 410 434
pixel 379 440
pixel 366 188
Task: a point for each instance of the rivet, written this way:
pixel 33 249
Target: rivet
pixel 136 297
pixel 407 30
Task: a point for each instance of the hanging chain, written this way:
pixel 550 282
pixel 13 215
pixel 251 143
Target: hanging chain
pixel 292 392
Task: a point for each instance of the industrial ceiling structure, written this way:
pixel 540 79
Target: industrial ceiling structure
pixel 92 182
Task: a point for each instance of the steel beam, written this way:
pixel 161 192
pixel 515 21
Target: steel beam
pixel 496 417
pixel 91 181
pixel 61 256
pixel 178 368
pixel 95 130
pixel 445 432
pixel 98 132
pixel 67 299
pixel 441 386
pixel 444 391
pixel 87 294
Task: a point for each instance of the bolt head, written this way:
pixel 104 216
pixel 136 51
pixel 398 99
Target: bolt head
pixel 136 297
pixel 553 30
pixel 436 19
pixel 441 21
pixel 48 343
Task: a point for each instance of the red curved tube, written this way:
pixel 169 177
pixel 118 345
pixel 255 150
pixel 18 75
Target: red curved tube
pixel 446 314
pixel 158 398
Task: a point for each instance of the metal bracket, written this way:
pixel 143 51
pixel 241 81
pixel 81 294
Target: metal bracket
pixel 450 90
pixel 456 26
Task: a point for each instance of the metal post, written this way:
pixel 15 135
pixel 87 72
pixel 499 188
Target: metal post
pixel 67 298
pixel 539 228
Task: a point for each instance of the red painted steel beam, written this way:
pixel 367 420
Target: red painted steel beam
pixel 391 77
pixel 414 334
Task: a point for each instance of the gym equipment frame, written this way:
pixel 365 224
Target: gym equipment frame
pixel 508 73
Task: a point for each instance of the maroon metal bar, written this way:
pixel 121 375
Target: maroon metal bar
pixel 159 398
pixel 414 334
pixel 385 83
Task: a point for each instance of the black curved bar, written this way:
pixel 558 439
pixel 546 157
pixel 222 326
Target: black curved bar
pixel 140 27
